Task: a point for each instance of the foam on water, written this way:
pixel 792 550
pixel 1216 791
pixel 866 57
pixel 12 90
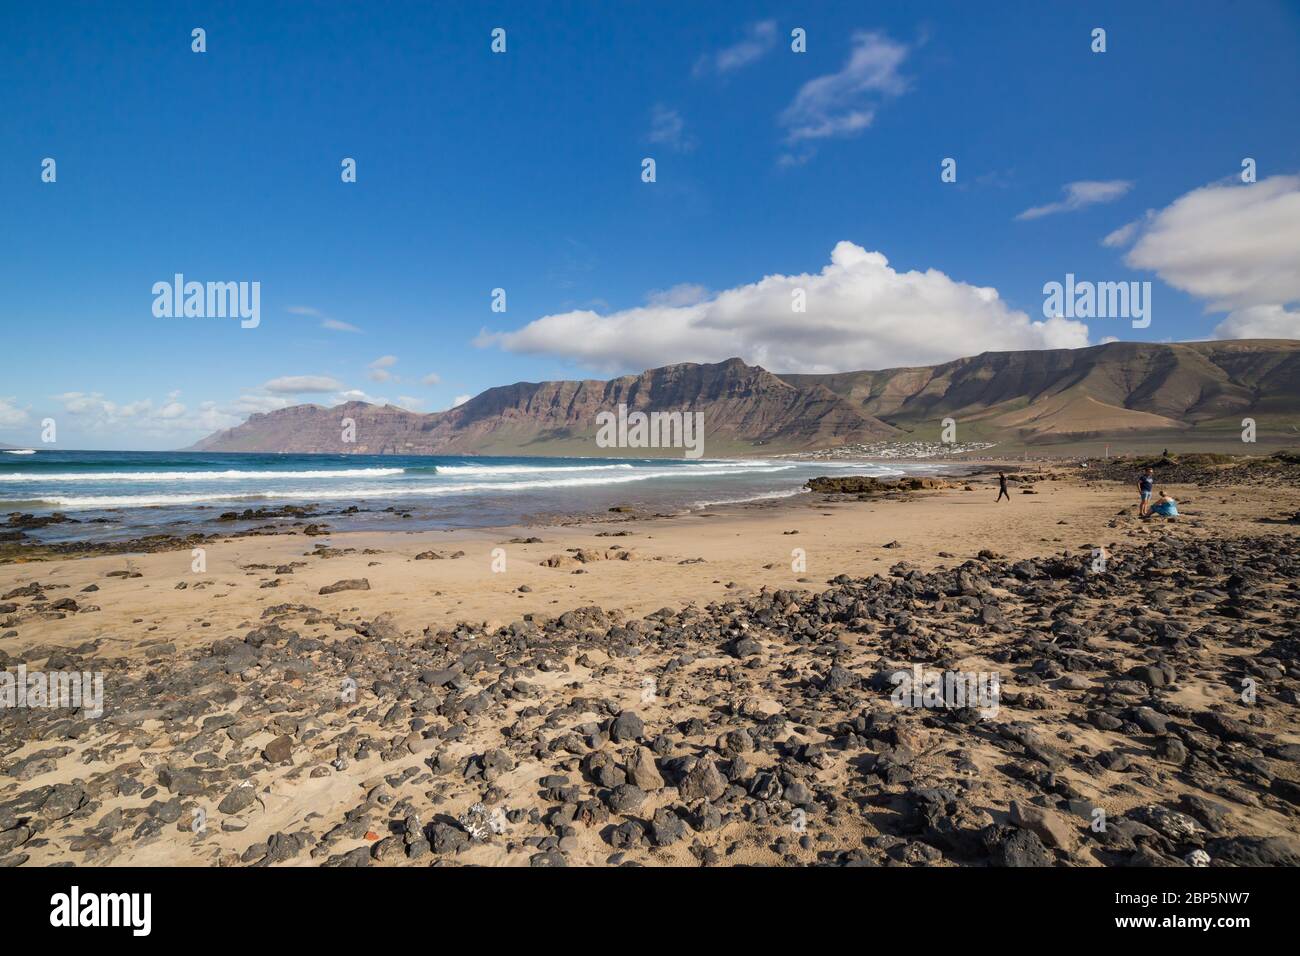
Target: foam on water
pixel 131 493
pixel 161 476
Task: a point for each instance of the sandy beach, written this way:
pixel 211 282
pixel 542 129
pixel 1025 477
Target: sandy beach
pixel 483 730
pixel 744 548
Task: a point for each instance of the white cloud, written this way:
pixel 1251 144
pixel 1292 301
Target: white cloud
pixel 669 129
pixel 1079 195
pixel 334 325
pixel 410 402
pixel 379 368
pixel 250 403
pixel 210 418
pixel 759 38
pixel 1123 235
pixel 10 414
pixel 860 314
pixel 460 400
pixel 845 103
pixel 1260 322
pixel 357 395
pixel 302 384
pixel 433 378
pixel 94 404
pixel 96 415
pixel 684 293
pixel 1235 246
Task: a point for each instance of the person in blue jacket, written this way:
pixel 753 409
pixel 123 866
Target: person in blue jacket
pixel 1165 507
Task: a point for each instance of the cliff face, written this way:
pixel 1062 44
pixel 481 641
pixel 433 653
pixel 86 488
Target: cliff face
pixel 1119 388
pixel 1105 389
pixel 306 429
pixel 744 408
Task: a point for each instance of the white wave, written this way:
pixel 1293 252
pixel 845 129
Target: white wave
pixel 857 465
pixel 789 493
pixel 739 463
pixel 20 451
pixel 867 471
pixel 684 464
pixel 108 477
pixel 488 470
pixel 484 471
pixel 378 491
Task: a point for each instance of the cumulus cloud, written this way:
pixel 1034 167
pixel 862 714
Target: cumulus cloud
pixel 433 378
pixel 460 400
pixel 302 384
pixel 860 313
pixel 95 414
pixel 94 403
pixel 758 39
pixel 844 103
pixel 1233 245
pixel 1260 322
pixel 1079 195
pixel 173 422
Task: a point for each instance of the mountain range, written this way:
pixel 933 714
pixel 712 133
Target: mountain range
pixel 1185 392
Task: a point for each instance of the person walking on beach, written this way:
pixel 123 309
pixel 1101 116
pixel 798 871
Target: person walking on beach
pixel 1002 487
pixel 1145 485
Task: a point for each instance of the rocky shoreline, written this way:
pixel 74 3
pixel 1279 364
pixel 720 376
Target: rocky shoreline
pixel 16 545
pixel 1204 470
pixel 755 730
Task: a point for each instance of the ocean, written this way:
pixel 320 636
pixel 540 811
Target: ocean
pixel 126 494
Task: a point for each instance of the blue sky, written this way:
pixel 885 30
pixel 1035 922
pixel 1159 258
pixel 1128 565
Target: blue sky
pixel 523 171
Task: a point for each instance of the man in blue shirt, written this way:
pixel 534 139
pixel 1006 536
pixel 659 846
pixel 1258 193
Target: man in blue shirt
pixel 1145 485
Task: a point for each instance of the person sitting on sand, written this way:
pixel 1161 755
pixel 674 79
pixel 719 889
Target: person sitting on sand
pixel 1165 507
pixel 1145 484
pixel 1002 487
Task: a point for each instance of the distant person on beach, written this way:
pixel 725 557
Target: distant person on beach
pixel 1165 507
pixel 1002 487
pixel 1145 485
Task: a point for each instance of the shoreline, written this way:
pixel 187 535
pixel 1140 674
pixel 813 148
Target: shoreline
pixel 15 548
pixel 509 686
pixel 18 549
